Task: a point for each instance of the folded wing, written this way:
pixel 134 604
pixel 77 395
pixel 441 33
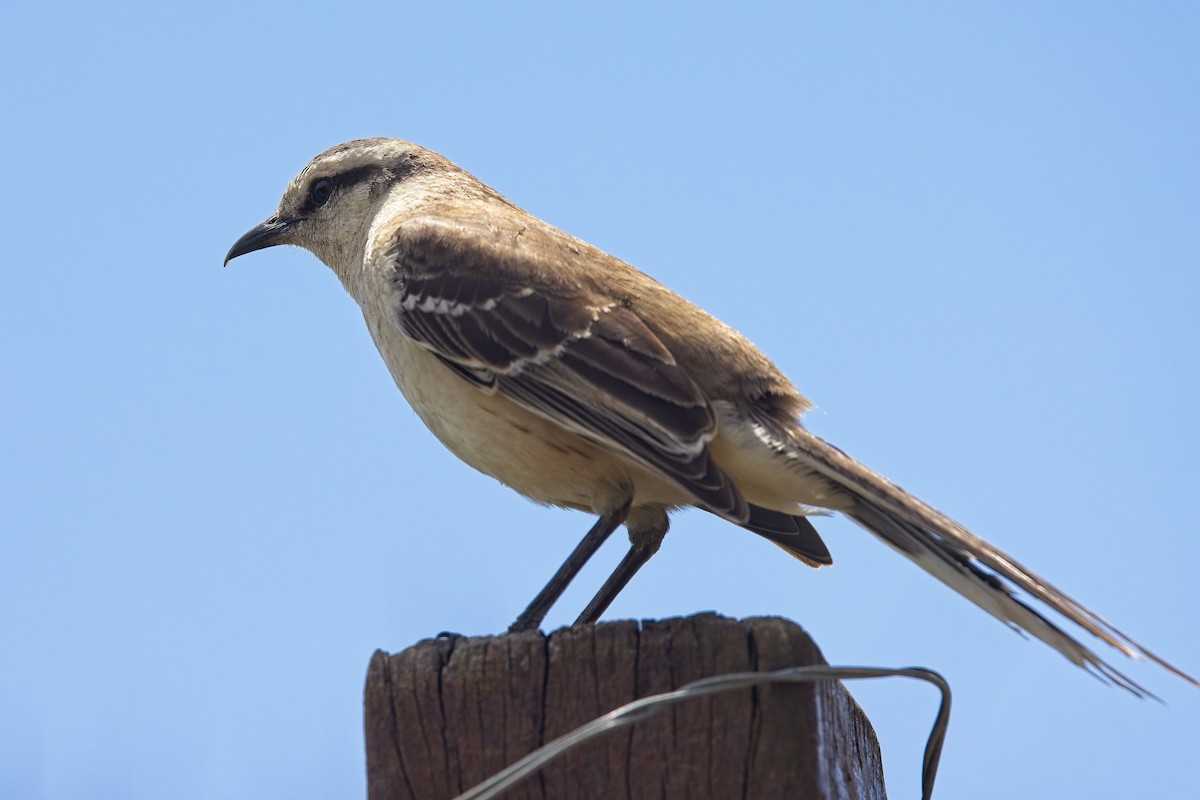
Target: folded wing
pixel 585 362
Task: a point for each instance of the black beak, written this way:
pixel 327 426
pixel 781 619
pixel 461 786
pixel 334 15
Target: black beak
pixel 265 234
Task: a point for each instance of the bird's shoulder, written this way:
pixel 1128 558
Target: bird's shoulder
pixel 496 242
pixel 500 246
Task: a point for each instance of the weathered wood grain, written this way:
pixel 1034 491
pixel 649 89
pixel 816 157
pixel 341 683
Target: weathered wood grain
pixel 447 713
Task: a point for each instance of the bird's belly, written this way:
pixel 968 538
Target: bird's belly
pixel 530 454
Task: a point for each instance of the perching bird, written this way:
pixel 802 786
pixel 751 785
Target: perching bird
pixel 581 382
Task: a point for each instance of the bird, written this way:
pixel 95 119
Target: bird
pixel 581 382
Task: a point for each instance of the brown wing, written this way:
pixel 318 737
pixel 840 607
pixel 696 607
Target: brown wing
pixel 584 362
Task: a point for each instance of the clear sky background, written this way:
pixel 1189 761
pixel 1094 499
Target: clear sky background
pixel 968 234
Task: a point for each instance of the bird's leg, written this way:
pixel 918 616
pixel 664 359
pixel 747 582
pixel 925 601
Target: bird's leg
pixel 643 543
pixel 533 615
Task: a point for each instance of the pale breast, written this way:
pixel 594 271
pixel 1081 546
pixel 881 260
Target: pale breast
pixel 526 452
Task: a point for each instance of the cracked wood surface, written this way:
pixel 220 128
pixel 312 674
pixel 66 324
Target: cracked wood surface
pixel 447 713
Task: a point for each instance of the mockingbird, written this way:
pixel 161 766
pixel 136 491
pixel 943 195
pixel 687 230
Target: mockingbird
pixel 580 382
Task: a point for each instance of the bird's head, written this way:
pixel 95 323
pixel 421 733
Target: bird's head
pixel 328 209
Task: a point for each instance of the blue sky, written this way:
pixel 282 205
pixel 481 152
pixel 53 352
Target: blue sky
pixel 968 234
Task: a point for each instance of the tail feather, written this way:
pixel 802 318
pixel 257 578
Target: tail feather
pixel 968 564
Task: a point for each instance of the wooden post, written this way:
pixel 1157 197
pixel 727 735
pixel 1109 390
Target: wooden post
pixel 447 713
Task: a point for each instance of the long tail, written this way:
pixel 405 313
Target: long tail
pixel 966 563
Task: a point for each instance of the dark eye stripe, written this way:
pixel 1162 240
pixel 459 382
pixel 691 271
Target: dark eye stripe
pixel 356 175
pixel 318 195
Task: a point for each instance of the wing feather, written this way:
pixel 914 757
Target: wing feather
pixel 586 362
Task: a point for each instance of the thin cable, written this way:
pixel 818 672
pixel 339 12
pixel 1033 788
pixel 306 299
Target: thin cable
pixel 648 707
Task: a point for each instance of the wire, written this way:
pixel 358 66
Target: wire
pixel 648 707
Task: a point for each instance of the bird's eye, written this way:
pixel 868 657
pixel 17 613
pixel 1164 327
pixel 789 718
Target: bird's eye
pixel 320 192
